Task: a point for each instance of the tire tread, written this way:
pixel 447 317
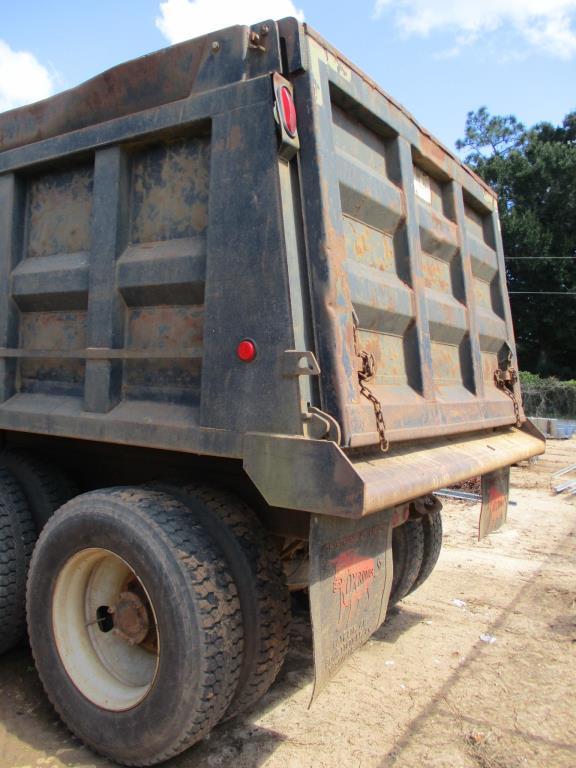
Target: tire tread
pixel 17 537
pixel 407 553
pixel 271 591
pixel 38 476
pixel 432 529
pixel 217 604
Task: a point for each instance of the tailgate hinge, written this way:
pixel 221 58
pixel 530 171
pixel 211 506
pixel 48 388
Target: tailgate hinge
pixel 256 39
pixel 366 372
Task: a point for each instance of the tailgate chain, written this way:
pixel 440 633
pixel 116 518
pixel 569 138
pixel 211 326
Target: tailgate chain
pixel 505 381
pixel 366 373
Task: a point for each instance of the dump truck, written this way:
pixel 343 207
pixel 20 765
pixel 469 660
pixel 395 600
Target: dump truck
pixel 252 315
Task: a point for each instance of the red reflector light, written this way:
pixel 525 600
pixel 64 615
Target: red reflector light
pixel 246 350
pixel 288 111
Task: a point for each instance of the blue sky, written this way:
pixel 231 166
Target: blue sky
pixel 440 58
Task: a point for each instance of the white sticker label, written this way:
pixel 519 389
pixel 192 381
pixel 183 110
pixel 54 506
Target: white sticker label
pixel 422 185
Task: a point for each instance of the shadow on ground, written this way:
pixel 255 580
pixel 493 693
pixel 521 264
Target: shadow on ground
pixel 33 731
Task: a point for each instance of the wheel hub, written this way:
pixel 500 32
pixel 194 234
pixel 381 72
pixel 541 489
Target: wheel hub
pixel 105 629
pixel 131 619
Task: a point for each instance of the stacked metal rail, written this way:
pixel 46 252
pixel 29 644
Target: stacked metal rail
pixel 564 486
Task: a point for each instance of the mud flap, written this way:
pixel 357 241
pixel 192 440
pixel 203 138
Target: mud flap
pixel 350 580
pixel 495 489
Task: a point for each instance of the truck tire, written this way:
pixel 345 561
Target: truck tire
pixel 17 537
pixel 432 529
pixel 407 557
pixel 135 624
pixel 255 565
pixel 45 485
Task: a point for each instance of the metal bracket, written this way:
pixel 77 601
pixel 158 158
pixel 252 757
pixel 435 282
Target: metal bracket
pixel 333 432
pixel 299 363
pixel 316 426
pixel 321 426
pixel 256 38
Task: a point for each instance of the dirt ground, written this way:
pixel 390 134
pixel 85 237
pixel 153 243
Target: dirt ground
pixel 426 691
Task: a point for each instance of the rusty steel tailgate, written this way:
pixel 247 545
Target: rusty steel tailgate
pixel 403 242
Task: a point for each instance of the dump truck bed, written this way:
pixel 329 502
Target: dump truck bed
pixel 152 218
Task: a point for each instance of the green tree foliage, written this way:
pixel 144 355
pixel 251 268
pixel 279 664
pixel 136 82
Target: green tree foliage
pixel 534 173
pixel 488 136
pixel 548 397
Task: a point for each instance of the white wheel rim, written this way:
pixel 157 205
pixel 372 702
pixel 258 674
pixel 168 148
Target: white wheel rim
pixel 113 670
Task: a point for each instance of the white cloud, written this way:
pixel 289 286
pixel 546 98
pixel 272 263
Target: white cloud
pixel 182 19
pixel 547 26
pixel 22 78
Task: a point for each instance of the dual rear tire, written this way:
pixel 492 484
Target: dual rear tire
pixel 153 613
pixel 257 572
pixel 31 489
pixel 17 537
pixel 416 547
pixel 156 612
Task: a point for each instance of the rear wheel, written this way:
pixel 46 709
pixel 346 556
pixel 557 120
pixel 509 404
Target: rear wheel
pixel 17 536
pixel 135 624
pixel 257 570
pixel 407 557
pixel 432 530
pixel 45 486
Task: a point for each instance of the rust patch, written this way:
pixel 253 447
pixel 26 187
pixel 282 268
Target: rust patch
pixel 389 355
pixel 436 274
pixel 235 138
pixel 368 245
pixel 482 293
pixel 52 331
pixel 158 78
pixel 59 209
pixel 489 365
pixel 199 216
pixel 164 328
pixel 170 190
pixel 446 363
pixel 430 148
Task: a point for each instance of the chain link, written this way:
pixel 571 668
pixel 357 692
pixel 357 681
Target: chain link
pixel 367 373
pixel 505 381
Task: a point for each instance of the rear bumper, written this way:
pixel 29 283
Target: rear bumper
pixel 317 476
